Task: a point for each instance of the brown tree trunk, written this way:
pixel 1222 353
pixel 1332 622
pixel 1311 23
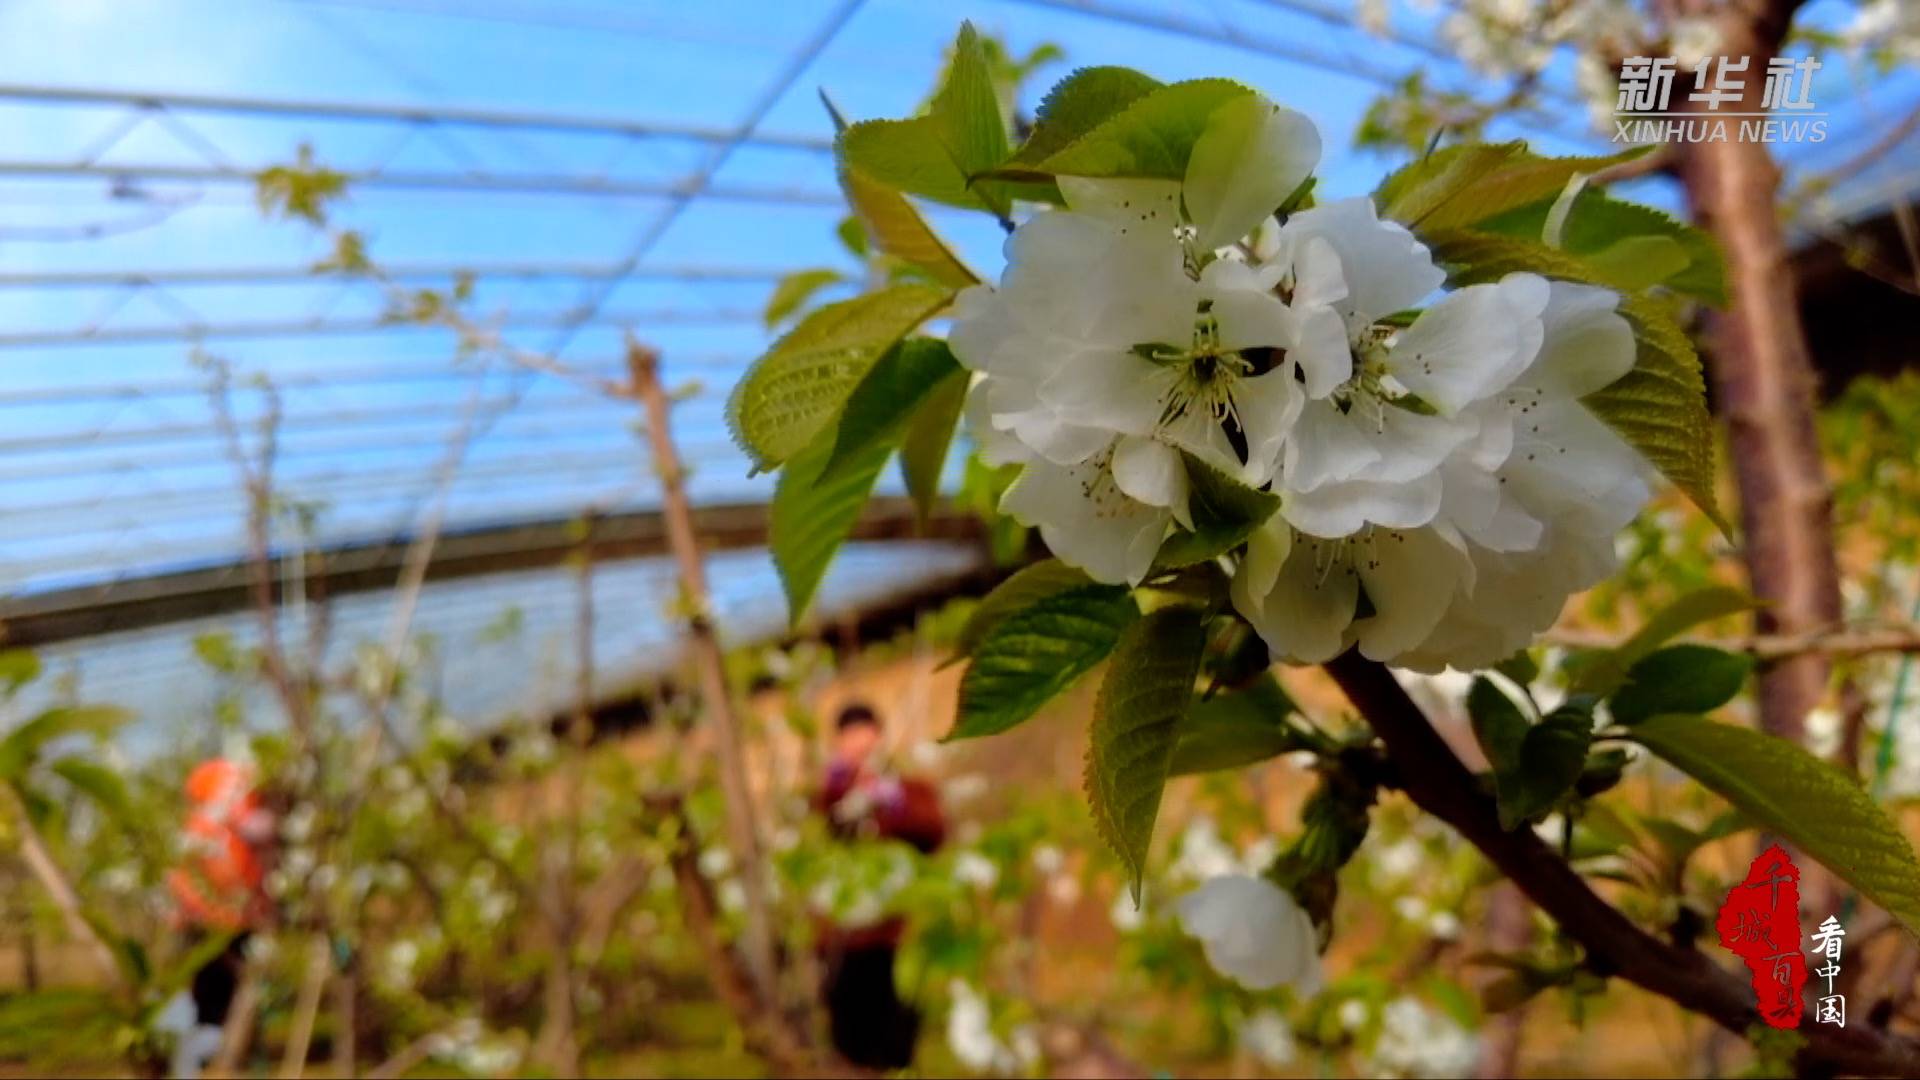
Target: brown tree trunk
pixel 1763 383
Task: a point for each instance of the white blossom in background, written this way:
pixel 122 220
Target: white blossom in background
pixel 1267 1038
pixel 1254 933
pixel 974 1043
pixel 1418 1041
pixel 1126 915
pixel 975 869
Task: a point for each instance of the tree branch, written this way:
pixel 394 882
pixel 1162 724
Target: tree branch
pixel 1832 641
pixel 1438 783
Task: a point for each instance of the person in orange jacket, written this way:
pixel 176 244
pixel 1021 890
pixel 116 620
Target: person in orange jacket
pixel 219 889
pixel 871 1026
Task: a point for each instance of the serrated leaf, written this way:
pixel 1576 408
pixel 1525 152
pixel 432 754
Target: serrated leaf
pixel 1603 673
pixel 1151 138
pixel 936 155
pixel 1235 729
pixel 1079 103
pixel 793 291
pixel 97 782
pixel 1660 407
pixel 1146 693
pixel 18 667
pixel 1628 245
pixel 814 509
pixel 899 230
pixel 1552 756
pixel 1032 655
pixel 23 744
pixel 879 407
pixel 1680 679
pixel 1225 512
pixel 1822 810
pixel 1461 186
pixel 798 387
pixel 929 435
pixel 1024 587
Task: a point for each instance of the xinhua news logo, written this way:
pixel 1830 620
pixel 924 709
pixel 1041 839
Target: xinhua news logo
pixel 1718 108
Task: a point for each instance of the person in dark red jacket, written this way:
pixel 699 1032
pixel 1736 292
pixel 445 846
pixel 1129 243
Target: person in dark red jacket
pixel 871 1026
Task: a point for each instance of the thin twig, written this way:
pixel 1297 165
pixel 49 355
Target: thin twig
pixel 1840 641
pixel 39 860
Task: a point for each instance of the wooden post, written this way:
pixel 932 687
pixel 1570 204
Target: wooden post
pixel 743 835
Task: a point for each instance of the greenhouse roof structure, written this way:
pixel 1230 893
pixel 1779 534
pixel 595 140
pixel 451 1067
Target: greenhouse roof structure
pixel 597 169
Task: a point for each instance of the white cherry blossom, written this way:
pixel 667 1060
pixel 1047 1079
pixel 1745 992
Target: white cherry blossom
pixel 1253 932
pixel 1117 340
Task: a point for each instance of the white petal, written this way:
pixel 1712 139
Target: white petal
pixel 1385 268
pixel 1087 521
pixel 1250 156
pixel 1251 320
pixel 1304 618
pixel 1413 445
pixel 1268 406
pixel 1145 208
pixel 1151 472
pixel 1318 280
pixel 1348 506
pixel 997 446
pixel 1073 280
pixel 1266 552
pixel 1321 349
pixel 1326 446
pixel 1410 578
pixel 1472 343
pixel 1118 391
pixel 1587 345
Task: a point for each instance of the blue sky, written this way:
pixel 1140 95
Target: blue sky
pixel 100 482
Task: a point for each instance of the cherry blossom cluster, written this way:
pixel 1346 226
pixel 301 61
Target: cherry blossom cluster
pixel 1441 488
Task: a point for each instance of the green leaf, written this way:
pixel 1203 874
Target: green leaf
pixel 1079 103
pixel 1225 512
pixel 1603 673
pixel 1660 407
pixel 1151 138
pixel 814 509
pixel 99 783
pixel 1498 724
pixel 1680 679
pixel 929 434
pixel 937 155
pixel 795 290
pixel 23 744
pixel 1136 721
pixel 1235 729
pixel 1552 756
pixel 878 409
pixel 797 388
pixel 1029 657
pixel 1627 245
pixel 18 667
pixel 1029 584
pixel 899 230
pixel 1461 186
pixel 1821 809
